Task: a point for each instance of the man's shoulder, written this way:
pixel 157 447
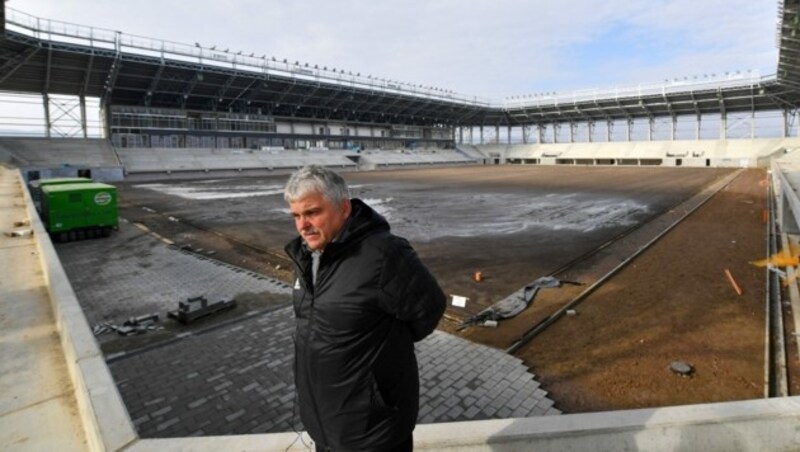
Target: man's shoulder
pixel 388 245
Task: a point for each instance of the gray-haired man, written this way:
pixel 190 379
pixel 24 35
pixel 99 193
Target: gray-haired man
pixel 361 299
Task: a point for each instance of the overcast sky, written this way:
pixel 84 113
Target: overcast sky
pixel 488 48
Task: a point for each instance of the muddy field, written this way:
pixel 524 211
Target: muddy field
pixel 515 224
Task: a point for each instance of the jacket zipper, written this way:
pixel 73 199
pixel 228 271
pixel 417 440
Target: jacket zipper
pixel 308 357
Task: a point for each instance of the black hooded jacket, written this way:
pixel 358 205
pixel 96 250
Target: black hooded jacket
pixel 355 369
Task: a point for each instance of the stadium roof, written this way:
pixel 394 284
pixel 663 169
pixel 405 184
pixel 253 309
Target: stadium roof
pixel 45 56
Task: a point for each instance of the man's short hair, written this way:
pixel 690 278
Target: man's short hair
pixel 313 178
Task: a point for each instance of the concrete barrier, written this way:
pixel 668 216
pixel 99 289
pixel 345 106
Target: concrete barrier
pixel 106 422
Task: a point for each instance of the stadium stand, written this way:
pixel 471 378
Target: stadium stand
pixel 471 151
pixel 187 160
pixel 402 157
pixel 54 152
pixel 694 153
pixel 62 157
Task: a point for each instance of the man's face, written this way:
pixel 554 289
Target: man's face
pixel 319 220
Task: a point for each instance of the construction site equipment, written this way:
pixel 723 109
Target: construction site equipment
pixel 196 307
pixel 76 211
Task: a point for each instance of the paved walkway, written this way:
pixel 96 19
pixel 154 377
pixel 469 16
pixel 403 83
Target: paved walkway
pixel 38 410
pixel 236 377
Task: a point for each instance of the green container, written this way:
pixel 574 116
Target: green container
pixel 35 187
pixel 79 210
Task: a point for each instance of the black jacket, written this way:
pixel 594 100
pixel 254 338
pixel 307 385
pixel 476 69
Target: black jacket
pixel 355 369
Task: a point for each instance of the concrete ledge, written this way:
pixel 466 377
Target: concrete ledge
pixel 766 424
pixel 106 422
pixel 274 442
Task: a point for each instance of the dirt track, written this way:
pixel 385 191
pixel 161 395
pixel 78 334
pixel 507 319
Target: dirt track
pixel 515 224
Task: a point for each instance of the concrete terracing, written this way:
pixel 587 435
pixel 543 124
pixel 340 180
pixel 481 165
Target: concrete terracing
pixel 703 153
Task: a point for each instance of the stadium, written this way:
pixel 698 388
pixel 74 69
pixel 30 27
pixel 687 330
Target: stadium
pixel 674 323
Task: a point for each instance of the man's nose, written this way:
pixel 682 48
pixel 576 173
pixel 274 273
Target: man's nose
pixel 302 223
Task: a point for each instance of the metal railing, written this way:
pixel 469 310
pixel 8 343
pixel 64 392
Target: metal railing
pixel 706 83
pixel 116 41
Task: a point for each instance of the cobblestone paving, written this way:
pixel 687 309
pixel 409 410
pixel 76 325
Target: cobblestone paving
pixel 132 273
pixel 236 377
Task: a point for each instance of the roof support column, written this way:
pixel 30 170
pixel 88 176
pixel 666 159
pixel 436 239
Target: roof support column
pixel 723 125
pixel 609 129
pixel 697 130
pixel 628 128
pixel 556 128
pixel 651 126
pixel 674 129
pixel 572 126
pixel 47 122
pixel 590 129
pixel 753 123
pixel 481 131
pixel 83 116
pixel 461 135
pixel 509 135
pixel 785 123
pixel 525 130
pixel 497 134
pixel 540 128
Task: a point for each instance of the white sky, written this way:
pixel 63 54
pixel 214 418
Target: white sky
pixel 487 48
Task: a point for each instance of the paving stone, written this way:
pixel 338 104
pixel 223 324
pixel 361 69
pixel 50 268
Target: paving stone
pixel 165 425
pixel 237 379
pixel 197 402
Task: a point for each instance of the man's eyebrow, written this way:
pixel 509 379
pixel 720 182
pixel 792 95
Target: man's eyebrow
pixel 307 211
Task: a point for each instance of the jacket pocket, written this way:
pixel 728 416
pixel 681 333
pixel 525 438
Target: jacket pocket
pixel 377 399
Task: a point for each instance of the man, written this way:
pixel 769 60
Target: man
pixel 362 298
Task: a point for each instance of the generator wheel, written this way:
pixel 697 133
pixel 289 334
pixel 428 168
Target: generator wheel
pixel 81 234
pixel 92 233
pixel 106 231
pixel 72 236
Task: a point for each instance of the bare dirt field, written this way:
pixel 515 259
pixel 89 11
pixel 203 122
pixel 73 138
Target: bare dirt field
pixel 515 224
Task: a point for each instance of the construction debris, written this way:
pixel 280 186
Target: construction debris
pixel 459 301
pixel 20 233
pixel 196 307
pixel 513 305
pixel 731 280
pixel 681 368
pixel 134 325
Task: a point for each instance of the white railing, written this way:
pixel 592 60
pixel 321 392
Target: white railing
pixel 57 31
pixel 684 85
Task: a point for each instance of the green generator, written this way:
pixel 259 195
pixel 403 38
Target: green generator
pixel 79 211
pixel 35 187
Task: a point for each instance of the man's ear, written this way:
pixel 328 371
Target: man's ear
pixel 347 207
